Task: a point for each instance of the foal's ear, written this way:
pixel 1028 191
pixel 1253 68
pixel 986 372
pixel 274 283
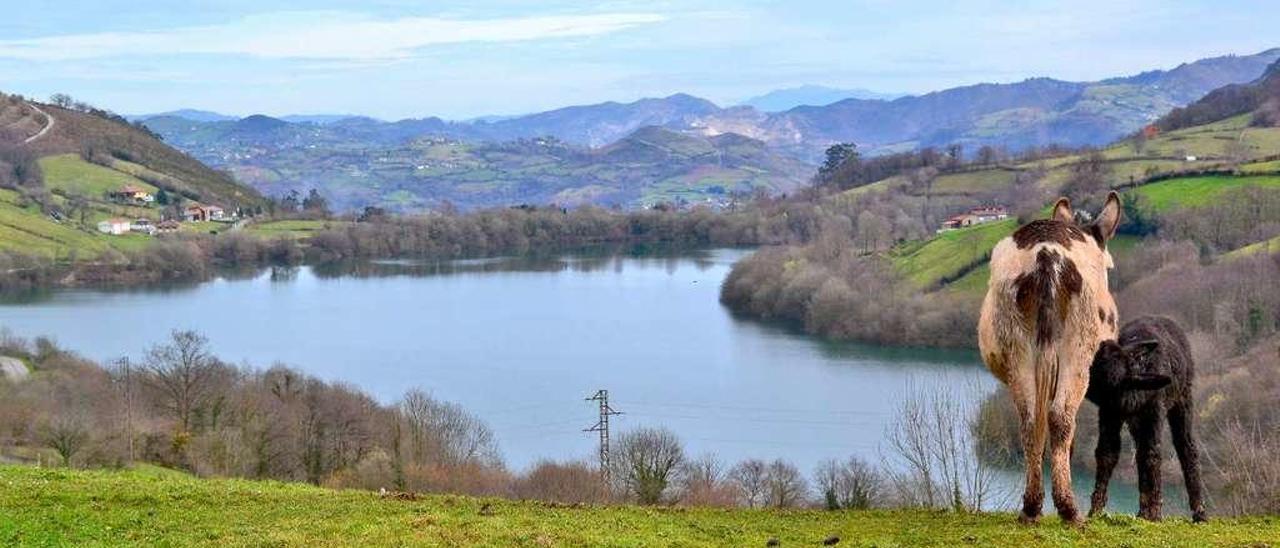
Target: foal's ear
pixel 1109 217
pixel 1142 350
pixel 1062 211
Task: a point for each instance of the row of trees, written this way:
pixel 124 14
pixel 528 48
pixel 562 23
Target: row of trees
pixel 180 406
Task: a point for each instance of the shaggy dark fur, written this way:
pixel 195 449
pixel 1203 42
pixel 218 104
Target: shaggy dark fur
pixel 1140 380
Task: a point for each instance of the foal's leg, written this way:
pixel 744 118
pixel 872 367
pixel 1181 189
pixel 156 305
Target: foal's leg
pixel 1062 429
pixel 1107 455
pixel 1146 428
pixel 1184 442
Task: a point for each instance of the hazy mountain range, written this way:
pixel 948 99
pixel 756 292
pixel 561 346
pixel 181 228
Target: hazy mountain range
pixel 267 152
pixel 811 95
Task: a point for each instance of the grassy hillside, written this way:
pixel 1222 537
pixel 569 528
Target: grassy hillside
pixel 81 157
pixel 1197 191
pixel 129 150
pixel 71 174
pixel 62 507
pixel 951 253
pixel 1265 246
pixel 23 228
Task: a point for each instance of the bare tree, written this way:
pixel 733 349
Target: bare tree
pixel 785 486
pixel 66 432
pixel 933 437
pixel 645 462
pixel 181 373
pixel 748 479
pixel 568 482
pixel 852 484
pixel 701 482
pixel 445 433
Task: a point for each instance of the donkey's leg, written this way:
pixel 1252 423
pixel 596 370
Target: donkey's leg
pixel 1033 454
pixel 1062 429
pixel 1146 429
pixel 1184 442
pixel 1106 456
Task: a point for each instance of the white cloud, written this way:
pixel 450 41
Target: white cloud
pixel 320 35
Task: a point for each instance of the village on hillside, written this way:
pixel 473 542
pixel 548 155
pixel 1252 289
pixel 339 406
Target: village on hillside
pixel 131 195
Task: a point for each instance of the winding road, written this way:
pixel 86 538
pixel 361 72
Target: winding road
pixel 48 126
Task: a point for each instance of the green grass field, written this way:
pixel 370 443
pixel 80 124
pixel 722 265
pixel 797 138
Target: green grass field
pixel 293 228
pixel 928 262
pixel 26 230
pixel 58 507
pixel 69 173
pixel 1197 191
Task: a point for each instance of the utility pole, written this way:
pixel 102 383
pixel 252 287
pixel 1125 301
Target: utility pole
pixel 602 426
pixel 126 371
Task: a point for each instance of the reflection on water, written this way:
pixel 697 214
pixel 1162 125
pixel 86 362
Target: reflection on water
pixel 521 340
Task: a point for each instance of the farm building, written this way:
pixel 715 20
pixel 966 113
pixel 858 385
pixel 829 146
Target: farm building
pixel 132 194
pixel 115 226
pixel 168 226
pixel 975 216
pixel 203 213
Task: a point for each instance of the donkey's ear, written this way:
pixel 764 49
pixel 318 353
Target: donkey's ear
pixel 1109 217
pixel 1062 211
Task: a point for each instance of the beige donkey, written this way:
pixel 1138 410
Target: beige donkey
pixel 1047 309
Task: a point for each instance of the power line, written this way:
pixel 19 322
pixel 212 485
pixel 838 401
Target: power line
pixel 754 419
pixel 760 409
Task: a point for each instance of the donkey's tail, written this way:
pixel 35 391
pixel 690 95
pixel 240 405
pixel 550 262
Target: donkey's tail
pixel 1046 362
pixel 1044 296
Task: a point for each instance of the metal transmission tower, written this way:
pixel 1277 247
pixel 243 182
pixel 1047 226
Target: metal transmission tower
pixel 602 426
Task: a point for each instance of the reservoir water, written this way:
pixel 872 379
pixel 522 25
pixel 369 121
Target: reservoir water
pixel 522 341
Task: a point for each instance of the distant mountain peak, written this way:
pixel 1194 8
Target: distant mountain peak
pixel 811 95
pixel 189 114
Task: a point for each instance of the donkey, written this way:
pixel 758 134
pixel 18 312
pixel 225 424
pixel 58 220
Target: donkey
pixel 1141 378
pixel 1046 311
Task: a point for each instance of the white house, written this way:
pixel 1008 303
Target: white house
pixel 116 226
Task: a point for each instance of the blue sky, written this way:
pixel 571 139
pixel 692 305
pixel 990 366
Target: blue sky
pixel 396 59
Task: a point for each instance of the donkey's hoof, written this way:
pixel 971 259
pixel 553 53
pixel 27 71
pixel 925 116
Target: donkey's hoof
pixel 1028 519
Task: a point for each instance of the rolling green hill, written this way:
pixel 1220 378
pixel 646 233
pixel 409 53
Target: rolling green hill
pixel 151 507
